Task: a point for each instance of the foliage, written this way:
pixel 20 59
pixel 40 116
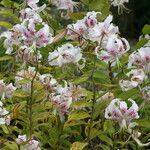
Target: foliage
pixel 62 103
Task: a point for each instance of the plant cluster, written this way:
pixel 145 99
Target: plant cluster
pixel 69 80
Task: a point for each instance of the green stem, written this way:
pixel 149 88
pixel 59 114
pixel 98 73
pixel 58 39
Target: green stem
pixel 94 97
pixel 110 72
pixel 93 102
pixel 32 99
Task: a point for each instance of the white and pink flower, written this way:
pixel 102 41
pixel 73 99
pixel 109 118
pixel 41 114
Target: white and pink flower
pixel 146 93
pixel 31 144
pixel 64 4
pixel 115 48
pixel 118 111
pixel 140 59
pixel 25 33
pixel 65 95
pixel 3 115
pixel 6 91
pixel 64 55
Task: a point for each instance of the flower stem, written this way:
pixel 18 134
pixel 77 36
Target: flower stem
pixel 32 99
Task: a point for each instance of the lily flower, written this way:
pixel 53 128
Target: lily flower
pixel 120 4
pixel 65 55
pixel 118 111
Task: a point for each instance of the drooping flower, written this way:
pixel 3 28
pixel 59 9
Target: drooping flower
pixel 48 81
pixel 29 14
pixel 27 54
pixel 3 113
pixel 26 74
pixel 120 4
pixel 13 37
pixel 102 31
pixel 81 27
pixel 137 75
pixel 34 6
pixel 118 111
pixel 115 48
pixel 62 103
pixel 6 91
pixel 26 33
pixel 40 38
pixel 64 4
pixel 21 139
pixel 127 84
pixel 64 96
pixel 31 144
pixel 90 19
pixel 9 89
pixel 89 28
pixel 64 55
pixel 146 93
pixel 140 59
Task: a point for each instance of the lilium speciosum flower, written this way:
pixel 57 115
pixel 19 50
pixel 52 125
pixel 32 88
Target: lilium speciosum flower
pixel 89 28
pixel 140 59
pixel 48 81
pixel 102 31
pixel 118 111
pixel 31 144
pixel 115 48
pixel 26 74
pixel 64 4
pixel 26 34
pixel 34 6
pixel 64 55
pixel 111 47
pixel 6 91
pixel 3 115
pixel 146 93
pixel 120 5
pixel 27 54
pixel 63 97
pixel 137 77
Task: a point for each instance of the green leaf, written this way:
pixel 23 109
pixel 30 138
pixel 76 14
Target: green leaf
pixel 81 79
pixel 106 139
pixel 78 146
pixel 21 94
pixel 8 13
pixel 100 107
pixel 10 146
pixel 86 2
pixel 133 93
pixel 6 3
pixel 101 77
pixel 108 127
pixel 77 16
pixel 144 123
pixel 94 133
pixel 6 25
pixel 4 128
pixel 102 6
pixel 78 114
pixel 82 103
pixel 5 58
pixel 104 147
pixel 146 29
pixel 141 43
pixel 23 81
pixel 70 123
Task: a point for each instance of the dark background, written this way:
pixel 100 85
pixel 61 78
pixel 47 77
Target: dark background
pixel 131 24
